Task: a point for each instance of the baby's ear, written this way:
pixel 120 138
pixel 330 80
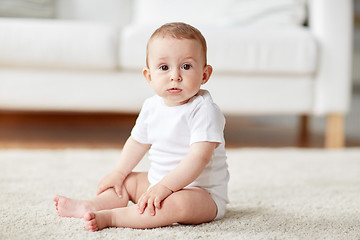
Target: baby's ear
pixel 147 75
pixel 206 74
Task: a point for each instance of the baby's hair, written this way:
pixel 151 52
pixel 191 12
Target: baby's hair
pixel 178 30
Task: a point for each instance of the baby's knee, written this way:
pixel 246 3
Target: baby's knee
pixel 129 186
pixel 135 185
pixel 192 206
pixel 180 205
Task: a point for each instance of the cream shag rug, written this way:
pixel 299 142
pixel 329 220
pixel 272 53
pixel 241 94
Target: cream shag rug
pixel 274 193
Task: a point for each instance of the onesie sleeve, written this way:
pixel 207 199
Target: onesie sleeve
pixel 139 131
pixel 207 124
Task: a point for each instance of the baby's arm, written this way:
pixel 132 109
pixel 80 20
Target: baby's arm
pixel 131 155
pixel 185 173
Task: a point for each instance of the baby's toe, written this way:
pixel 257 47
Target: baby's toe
pixel 89 216
pixel 91 225
pixel 55 198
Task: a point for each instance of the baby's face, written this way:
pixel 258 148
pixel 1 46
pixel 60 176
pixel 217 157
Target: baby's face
pixel 176 69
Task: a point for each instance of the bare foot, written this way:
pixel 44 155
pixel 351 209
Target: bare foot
pixel 68 207
pixel 98 221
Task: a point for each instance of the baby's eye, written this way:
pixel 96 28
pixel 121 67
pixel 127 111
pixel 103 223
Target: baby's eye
pixel 186 66
pixel 164 67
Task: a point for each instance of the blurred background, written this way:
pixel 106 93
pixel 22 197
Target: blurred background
pixel 88 129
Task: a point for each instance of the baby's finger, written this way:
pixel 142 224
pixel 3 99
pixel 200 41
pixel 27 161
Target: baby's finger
pixel 142 204
pixel 150 206
pixel 118 190
pixel 157 203
pixel 101 189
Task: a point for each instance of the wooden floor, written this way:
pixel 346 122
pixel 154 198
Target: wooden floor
pixel 69 130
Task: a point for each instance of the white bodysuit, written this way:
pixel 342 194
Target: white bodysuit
pixel 171 131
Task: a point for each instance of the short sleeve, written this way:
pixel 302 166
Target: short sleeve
pixel 207 124
pixel 139 131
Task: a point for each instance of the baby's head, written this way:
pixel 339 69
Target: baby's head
pixel 176 63
pixel 178 30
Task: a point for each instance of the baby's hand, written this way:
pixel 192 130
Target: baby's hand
pixel 113 180
pixel 152 198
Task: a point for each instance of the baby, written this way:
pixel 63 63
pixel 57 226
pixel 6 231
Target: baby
pixel 182 129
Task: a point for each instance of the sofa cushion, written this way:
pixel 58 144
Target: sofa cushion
pixel 286 50
pixel 257 50
pixel 58 44
pixel 244 95
pixel 59 90
pixel 221 13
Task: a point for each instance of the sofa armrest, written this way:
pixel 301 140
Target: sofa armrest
pixel 331 23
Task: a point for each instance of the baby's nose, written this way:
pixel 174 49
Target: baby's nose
pixel 175 76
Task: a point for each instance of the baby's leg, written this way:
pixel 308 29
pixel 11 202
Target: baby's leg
pixel 68 207
pixel 188 206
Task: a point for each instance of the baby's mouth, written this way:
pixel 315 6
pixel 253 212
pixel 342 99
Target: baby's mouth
pixel 174 90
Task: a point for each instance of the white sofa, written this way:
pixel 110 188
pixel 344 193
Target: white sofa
pixel 265 60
